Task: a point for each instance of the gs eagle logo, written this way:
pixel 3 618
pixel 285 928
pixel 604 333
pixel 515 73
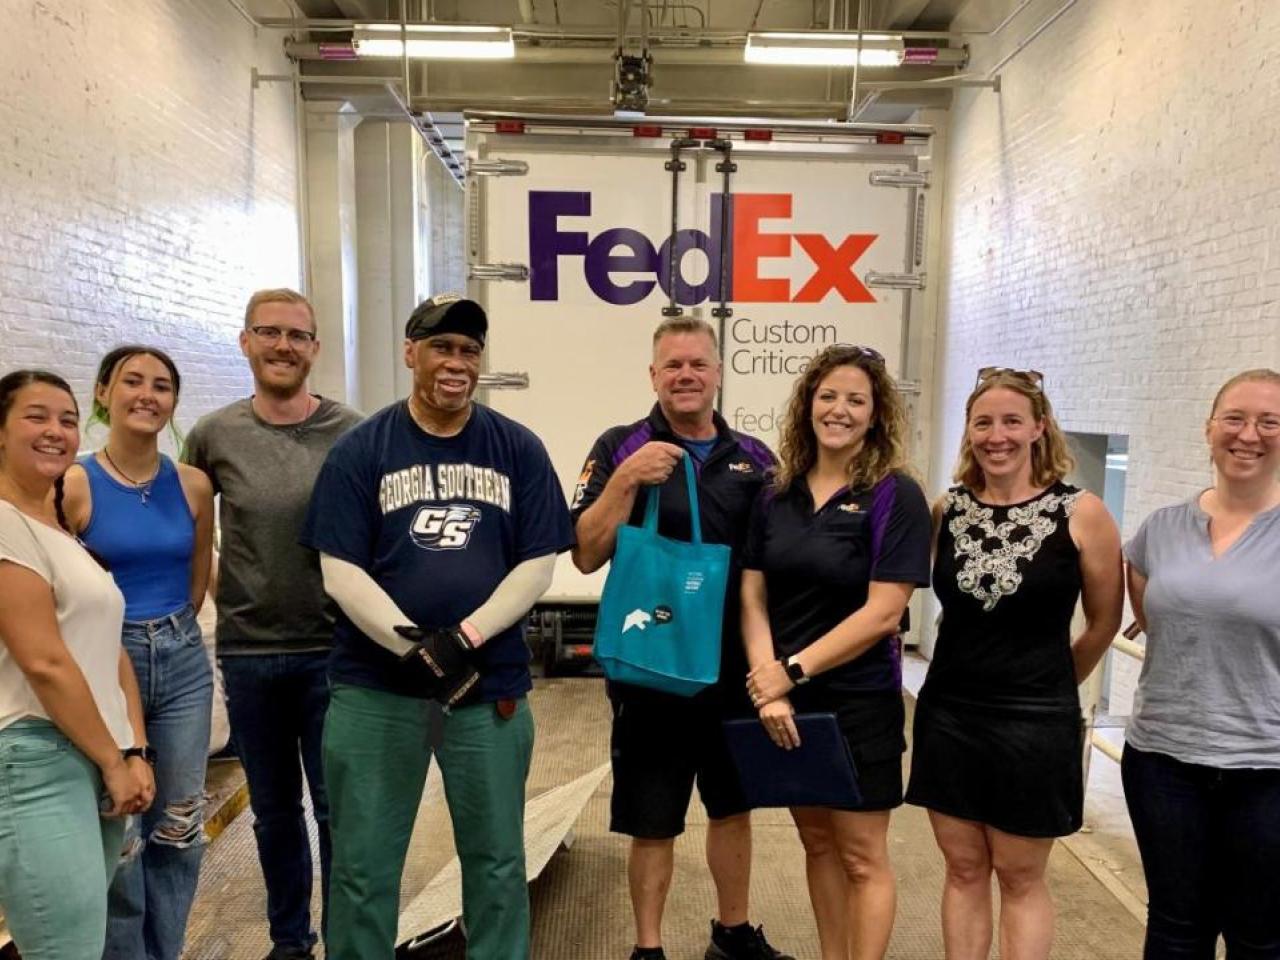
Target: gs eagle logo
pixel 444 528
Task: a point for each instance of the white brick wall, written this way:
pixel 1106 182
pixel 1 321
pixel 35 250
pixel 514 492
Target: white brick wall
pixel 1113 219
pixel 145 187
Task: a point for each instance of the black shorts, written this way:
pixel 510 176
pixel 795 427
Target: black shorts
pixel 872 724
pixel 661 744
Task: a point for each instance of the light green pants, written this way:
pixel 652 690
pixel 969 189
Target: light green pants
pixel 57 855
pixel 376 754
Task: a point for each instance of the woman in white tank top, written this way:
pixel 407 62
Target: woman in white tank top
pixel 71 731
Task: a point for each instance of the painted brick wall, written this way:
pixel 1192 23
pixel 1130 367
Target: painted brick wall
pixel 145 187
pixel 1113 219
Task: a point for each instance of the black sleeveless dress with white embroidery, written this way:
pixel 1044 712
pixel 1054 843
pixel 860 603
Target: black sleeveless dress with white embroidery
pixel 998 735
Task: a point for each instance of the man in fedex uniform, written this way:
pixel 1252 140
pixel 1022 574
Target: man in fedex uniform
pixel 662 742
pixel 438 522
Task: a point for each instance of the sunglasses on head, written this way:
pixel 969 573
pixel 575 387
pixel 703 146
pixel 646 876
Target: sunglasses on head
pixel 854 351
pixel 1033 377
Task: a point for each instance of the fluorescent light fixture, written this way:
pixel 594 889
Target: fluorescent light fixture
pixel 819 49
pixel 435 42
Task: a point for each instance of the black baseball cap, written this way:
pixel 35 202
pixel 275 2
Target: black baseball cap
pixel 447 313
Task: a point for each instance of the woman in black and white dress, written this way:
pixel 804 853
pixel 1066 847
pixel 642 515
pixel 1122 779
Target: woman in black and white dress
pixel 998 745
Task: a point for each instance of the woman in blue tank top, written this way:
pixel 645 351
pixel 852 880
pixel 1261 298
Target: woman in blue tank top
pixel 152 521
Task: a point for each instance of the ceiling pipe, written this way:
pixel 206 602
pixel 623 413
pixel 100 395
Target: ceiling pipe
pixel 1030 38
pixel 526 10
pixel 1009 19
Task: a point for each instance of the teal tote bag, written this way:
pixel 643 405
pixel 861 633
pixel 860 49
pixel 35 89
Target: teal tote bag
pixel 663 604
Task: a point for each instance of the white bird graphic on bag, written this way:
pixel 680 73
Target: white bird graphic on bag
pixel 636 618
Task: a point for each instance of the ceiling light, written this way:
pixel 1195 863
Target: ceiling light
pixel 435 42
pixel 819 49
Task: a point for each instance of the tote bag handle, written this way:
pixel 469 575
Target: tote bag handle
pixel 695 517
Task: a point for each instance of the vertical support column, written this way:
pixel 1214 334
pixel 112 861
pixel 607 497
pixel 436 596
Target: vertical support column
pixel 375 197
pixel 331 262
pixel 389 252
pixel 407 254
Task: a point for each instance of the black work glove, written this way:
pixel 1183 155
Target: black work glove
pixel 445 658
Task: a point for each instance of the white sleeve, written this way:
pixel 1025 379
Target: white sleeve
pixel 515 596
pixel 18 543
pixel 370 608
pixel 366 604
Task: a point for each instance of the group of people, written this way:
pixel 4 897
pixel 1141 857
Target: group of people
pixel 374 575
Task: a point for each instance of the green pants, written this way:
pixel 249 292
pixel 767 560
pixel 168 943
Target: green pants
pixel 376 754
pixel 57 854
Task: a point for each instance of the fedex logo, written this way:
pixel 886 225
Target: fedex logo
pixel 623 250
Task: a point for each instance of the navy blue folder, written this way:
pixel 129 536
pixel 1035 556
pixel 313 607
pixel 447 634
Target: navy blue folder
pixel 818 773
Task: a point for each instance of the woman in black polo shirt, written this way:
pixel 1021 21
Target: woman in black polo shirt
pixel 837 544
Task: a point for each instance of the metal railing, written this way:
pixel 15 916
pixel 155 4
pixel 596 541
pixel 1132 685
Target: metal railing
pixel 1125 644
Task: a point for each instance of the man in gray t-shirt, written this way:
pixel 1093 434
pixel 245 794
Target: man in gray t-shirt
pixel 275 626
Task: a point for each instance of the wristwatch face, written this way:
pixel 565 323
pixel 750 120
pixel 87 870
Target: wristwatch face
pixel 795 672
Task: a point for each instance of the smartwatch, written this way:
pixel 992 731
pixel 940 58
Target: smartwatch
pixel 147 753
pixel 795 671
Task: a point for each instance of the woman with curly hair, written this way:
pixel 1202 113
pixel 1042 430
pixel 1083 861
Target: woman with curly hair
pixel 998 749
pixel 837 544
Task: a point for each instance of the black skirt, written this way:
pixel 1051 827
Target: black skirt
pixel 872 725
pixel 1018 771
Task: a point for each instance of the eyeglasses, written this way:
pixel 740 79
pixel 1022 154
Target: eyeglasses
pixel 1267 425
pixel 866 353
pixel 1033 377
pixel 296 338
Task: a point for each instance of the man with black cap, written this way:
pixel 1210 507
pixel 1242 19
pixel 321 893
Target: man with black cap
pixel 438 522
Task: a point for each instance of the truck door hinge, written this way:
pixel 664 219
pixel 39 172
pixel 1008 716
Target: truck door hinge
pixel 898 178
pixel 895 281
pixel 498 271
pixel 497 168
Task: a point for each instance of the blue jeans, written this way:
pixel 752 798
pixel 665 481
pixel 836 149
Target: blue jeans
pixel 1210 845
pixel 56 853
pixel 150 898
pixel 277 703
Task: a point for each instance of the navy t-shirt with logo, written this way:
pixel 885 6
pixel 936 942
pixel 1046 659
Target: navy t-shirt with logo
pixel 818 565
pixel 438 522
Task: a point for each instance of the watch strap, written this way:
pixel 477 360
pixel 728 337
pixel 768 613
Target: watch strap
pixel 795 671
pixel 147 753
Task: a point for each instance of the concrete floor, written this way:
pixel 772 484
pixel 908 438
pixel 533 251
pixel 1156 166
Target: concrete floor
pixel 580 905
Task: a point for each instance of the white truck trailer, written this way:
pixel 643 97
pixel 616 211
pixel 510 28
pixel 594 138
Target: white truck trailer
pixel 584 233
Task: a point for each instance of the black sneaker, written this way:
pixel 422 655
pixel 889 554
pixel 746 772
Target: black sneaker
pixel 743 942
pixel 290 953
pixel 648 953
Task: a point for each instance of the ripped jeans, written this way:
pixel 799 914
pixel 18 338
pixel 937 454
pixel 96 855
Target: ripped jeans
pixel 150 898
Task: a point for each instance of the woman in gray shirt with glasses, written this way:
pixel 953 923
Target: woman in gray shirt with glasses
pixel 1201 763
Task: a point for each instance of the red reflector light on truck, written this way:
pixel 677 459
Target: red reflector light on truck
pixel 702 133
pixel 762 136
pixel 646 130
pixel 886 136
pixel 509 126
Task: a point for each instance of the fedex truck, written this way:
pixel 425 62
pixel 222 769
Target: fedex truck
pixel 584 233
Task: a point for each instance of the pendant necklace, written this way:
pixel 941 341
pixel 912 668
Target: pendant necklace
pixel 143 487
